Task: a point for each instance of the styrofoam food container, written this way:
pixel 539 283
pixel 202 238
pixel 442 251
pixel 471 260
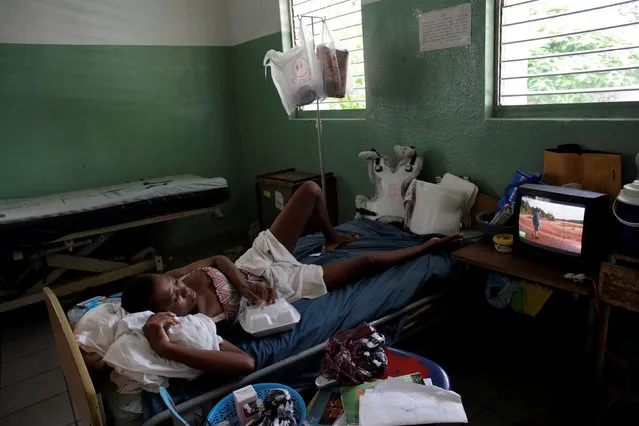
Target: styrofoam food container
pixel 276 318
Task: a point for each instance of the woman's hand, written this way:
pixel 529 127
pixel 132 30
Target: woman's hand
pixel 453 240
pixel 156 330
pixel 259 294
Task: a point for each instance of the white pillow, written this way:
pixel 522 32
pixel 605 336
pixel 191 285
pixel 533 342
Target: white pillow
pixel 468 189
pixel 95 331
pixel 436 209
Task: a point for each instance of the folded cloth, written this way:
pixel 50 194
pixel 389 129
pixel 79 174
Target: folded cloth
pixel 469 190
pixel 395 402
pixel 136 365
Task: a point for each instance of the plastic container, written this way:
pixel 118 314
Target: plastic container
pixel 484 219
pixel 225 409
pixel 271 319
pixel 626 211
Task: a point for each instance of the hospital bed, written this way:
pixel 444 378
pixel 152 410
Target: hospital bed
pixel 389 300
pixel 59 233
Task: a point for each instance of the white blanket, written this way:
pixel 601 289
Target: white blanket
pixel 124 347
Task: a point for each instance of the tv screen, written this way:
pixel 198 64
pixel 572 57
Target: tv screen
pixel 550 224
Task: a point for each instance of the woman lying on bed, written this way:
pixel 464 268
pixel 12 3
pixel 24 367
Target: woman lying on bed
pixel 267 271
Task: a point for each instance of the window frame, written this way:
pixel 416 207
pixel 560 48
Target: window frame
pixel 603 110
pixel 344 114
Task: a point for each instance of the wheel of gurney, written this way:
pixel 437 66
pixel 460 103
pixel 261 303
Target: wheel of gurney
pixel 225 409
pixel 401 363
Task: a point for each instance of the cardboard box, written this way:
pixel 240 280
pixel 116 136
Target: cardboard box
pixel 595 171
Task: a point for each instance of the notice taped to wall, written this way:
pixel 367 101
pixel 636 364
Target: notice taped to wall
pixel 445 28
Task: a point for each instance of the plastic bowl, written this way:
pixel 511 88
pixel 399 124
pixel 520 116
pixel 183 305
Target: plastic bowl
pixel 225 409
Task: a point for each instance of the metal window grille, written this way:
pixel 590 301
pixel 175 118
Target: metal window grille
pixel 344 18
pixel 567 51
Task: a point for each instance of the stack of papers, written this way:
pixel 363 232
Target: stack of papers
pixel 397 402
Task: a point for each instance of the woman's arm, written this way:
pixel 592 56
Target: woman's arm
pixel 257 294
pixel 229 360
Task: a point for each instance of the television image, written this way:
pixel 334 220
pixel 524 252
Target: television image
pixel 552 224
pixel 562 226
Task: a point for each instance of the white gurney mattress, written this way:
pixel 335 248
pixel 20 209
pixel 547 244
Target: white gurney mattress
pixel 56 215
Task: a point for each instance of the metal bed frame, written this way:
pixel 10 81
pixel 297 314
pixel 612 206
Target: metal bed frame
pixel 187 408
pixel 72 253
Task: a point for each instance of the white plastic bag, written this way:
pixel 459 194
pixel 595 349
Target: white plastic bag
pixel 334 61
pixel 296 73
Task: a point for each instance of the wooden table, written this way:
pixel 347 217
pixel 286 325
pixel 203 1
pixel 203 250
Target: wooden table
pixel 485 256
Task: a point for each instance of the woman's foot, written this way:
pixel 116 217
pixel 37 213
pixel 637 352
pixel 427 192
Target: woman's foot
pixel 339 240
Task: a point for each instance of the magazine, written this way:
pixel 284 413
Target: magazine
pixel 326 408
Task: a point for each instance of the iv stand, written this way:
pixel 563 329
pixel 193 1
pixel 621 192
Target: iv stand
pixel 318 120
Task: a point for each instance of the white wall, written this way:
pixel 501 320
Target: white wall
pixel 251 19
pixel 116 22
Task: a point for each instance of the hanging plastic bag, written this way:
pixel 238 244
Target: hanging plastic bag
pixel 296 73
pixel 335 64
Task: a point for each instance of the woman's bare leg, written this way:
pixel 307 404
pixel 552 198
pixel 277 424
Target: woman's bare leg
pixel 341 273
pixel 307 202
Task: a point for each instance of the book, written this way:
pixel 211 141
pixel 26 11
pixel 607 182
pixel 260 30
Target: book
pixel 326 408
pixel 351 395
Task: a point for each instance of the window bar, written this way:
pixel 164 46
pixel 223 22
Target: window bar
pixel 338 29
pixel 589 71
pixel 559 15
pixel 519 4
pixel 574 91
pixel 579 52
pixel 571 33
pixel 329 6
pixel 346 14
pixel 351 38
pixel 302 2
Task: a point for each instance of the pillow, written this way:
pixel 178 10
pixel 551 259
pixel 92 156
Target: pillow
pixel 468 189
pixel 435 208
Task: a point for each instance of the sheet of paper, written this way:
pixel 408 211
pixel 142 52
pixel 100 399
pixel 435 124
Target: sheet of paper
pixel 425 405
pixel 445 28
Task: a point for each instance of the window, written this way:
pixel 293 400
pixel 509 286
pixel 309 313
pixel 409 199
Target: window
pixel 344 18
pixel 568 52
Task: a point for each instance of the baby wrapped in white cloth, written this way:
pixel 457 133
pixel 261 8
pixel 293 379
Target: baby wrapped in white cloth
pixel 108 331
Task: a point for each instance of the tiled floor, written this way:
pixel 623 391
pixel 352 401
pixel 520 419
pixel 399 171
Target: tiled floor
pixel 32 387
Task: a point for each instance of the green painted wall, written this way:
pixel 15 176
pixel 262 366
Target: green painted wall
pixel 434 101
pixel 75 117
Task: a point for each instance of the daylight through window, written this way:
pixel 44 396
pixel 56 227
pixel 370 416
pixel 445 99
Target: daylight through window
pixel 568 51
pixel 344 18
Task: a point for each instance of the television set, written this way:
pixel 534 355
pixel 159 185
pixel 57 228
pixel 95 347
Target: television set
pixel 564 226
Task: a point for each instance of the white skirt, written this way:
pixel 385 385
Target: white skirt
pixel 291 280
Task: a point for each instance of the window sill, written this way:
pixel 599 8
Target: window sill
pixel 618 111
pixel 330 115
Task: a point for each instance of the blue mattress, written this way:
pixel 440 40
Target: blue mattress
pixel 365 300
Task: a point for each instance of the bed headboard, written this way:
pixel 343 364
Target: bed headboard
pixel 83 395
